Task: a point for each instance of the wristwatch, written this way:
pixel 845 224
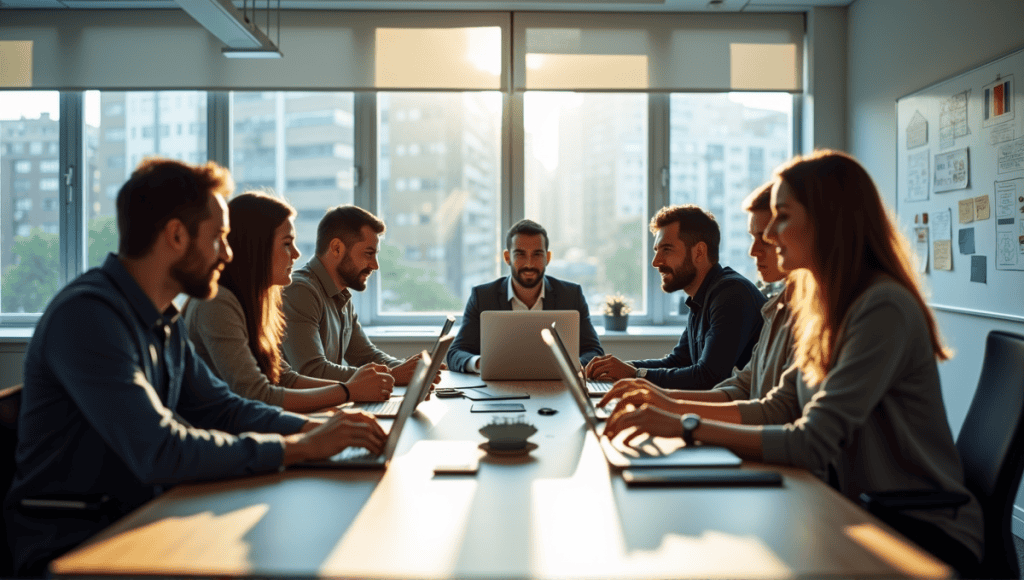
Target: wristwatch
pixel 641 373
pixel 690 423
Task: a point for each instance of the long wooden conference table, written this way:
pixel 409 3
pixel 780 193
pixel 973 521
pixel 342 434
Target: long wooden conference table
pixel 559 512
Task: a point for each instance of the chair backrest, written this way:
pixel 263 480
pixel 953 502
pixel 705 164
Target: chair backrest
pixel 991 446
pixel 10 406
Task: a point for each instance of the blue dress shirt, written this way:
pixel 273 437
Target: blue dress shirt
pixel 117 403
pixel 724 325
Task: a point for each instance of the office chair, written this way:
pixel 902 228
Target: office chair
pixel 10 405
pixel 991 445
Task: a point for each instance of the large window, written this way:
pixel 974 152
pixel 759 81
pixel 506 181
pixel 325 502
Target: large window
pixel 438 190
pixel 122 129
pixel 721 147
pixel 29 239
pixel 585 181
pixel 298 145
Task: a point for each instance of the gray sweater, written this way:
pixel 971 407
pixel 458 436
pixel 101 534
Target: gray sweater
pixel 879 413
pixel 217 329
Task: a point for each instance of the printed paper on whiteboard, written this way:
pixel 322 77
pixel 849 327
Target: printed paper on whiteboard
pixel 997 102
pixel 917 131
pixel 952 171
pixel 1010 224
pixel 917 176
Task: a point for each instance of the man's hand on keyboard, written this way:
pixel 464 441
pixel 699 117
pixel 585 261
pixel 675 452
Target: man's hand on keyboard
pixel 608 368
pixel 371 383
pixel 346 428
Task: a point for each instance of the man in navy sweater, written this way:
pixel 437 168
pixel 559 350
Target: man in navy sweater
pixel 725 308
pixel 527 288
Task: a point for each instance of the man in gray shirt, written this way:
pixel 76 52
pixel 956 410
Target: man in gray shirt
pixel 324 338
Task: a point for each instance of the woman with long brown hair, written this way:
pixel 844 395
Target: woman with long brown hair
pixel 865 348
pixel 238 333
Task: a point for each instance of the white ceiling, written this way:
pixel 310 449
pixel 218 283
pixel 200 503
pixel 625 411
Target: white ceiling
pixel 468 5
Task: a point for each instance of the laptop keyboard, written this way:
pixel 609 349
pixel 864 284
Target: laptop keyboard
pixel 352 454
pixel 599 386
pixel 383 408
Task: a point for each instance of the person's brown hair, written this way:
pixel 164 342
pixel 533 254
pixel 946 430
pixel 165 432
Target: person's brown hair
pixel 160 190
pixel 345 222
pixel 254 219
pixel 695 225
pixel 854 240
pixel 760 199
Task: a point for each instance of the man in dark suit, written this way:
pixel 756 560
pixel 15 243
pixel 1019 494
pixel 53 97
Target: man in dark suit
pixel 527 288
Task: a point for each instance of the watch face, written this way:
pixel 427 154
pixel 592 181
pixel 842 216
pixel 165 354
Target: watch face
pixel 641 373
pixel 691 422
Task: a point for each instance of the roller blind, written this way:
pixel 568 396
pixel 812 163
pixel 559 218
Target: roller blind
pixel 657 52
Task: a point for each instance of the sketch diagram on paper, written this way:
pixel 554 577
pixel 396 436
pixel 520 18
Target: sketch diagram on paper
pixel 953 119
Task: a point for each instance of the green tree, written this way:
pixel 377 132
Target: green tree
pixel 29 284
pixel 102 239
pixel 411 287
pixel 624 269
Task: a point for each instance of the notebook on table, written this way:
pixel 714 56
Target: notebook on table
pixel 650 453
pixel 360 458
pixel 390 407
pixel 511 348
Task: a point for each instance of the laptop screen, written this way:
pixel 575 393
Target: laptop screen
pixel 572 377
pixel 449 321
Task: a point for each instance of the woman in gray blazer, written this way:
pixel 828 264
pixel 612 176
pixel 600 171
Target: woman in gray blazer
pixel 865 348
pixel 239 331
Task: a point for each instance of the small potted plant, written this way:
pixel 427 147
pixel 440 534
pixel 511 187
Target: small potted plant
pixel 616 312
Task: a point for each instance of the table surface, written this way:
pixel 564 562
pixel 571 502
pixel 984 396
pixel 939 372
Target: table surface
pixel 559 512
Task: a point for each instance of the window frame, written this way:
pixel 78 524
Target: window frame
pixel 73 229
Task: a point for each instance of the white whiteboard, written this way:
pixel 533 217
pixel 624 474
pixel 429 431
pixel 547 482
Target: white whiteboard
pixel 960 158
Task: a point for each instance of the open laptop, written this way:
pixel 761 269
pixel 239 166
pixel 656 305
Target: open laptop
pixel 511 348
pixel 360 458
pixel 653 452
pixel 593 388
pixel 601 413
pixel 390 407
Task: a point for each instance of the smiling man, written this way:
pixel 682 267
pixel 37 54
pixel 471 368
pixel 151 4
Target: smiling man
pixel 725 308
pixel 324 338
pixel 526 288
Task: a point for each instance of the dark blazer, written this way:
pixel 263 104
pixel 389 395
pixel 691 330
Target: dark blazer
pixel 558 295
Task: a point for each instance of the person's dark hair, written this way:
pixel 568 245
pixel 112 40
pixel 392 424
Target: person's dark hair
pixel 695 225
pixel 160 190
pixel 760 199
pixel 526 227
pixel 855 239
pixel 254 219
pixel 345 222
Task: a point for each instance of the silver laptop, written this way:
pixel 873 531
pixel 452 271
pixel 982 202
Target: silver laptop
pixel 360 458
pixel 511 348
pixel 390 407
pixel 650 453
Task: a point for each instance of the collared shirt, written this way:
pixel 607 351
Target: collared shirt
pixel 106 377
pixel 518 304
pixel 324 338
pixel 723 327
pixel 473 365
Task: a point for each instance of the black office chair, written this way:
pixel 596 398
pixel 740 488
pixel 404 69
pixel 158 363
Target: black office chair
pixel 991 446
pixel 10 405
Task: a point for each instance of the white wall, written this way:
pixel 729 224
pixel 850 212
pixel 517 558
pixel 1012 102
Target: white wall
pixel 896 48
